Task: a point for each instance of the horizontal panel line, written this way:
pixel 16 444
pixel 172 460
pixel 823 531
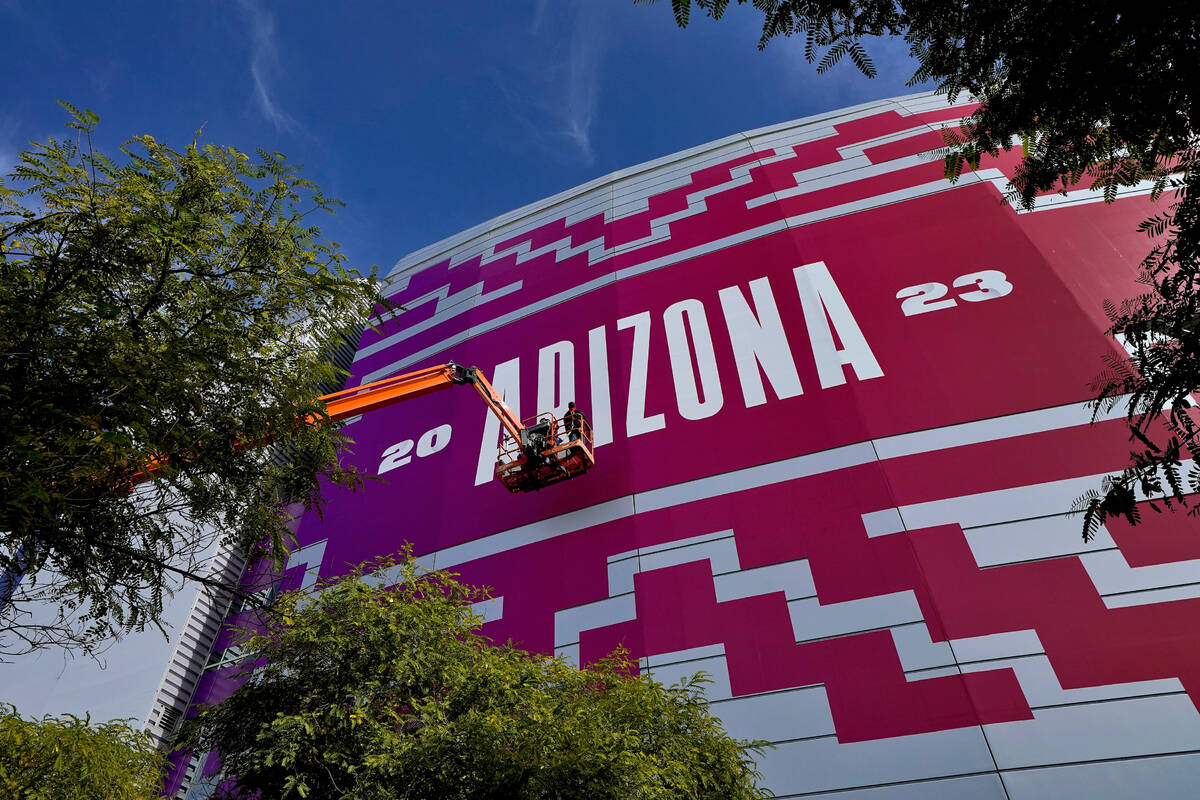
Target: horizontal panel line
pixel 932 779
pixel 1169 754
pixel 1122 699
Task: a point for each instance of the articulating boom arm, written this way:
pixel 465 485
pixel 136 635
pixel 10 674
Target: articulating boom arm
pixel 537 456
pixel 386 392
pixel 543 459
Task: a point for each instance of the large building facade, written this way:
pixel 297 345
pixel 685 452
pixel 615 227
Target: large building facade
pixel 839 415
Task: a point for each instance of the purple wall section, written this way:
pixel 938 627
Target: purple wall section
pixel 839 415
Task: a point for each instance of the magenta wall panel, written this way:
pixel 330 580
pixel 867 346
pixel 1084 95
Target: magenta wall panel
pixel 838 404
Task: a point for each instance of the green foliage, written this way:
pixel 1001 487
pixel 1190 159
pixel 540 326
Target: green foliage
pixel 1101 94
pixel 167 307
pixel 368 692
pixel 833 25
pixel 69 758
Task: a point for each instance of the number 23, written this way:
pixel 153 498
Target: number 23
pixel 925 297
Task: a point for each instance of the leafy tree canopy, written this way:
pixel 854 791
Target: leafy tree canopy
pixel 168 308
pixel 368 692
pixel 1101 93
pixel 68 758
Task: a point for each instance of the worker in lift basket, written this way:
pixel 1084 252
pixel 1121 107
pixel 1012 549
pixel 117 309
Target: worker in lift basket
pixel 573 421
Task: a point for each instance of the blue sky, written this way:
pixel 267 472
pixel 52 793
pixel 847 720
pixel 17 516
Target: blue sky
pixel 425 118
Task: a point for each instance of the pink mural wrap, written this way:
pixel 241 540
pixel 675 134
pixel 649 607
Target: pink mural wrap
pixel 839 412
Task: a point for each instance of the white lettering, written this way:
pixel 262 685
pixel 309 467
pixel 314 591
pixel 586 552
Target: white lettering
pixel 556 378
pixel 819 296
pixel 759 340
pixel 678 319
pixel 395 456
pixel 601 416
pixel 433 440
pixel 506 380
pixel 636 421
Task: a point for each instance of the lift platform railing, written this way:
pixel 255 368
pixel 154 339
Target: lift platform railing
pixel 562 454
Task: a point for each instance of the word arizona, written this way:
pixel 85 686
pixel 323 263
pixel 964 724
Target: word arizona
pixel 757 339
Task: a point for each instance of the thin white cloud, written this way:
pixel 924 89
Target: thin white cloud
pixel 264 65
pixel 552 85
pixel 539 14
pixel 586 51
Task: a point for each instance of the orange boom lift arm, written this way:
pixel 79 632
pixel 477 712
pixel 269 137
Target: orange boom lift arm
pixel 530 455
pixel 389 391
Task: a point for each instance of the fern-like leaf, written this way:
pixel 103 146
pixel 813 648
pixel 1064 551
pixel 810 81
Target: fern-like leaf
pixel 683 12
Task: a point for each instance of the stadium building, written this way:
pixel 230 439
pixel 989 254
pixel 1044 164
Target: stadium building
pixel 839 413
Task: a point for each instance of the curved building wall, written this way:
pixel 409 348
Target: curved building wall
pixel 839 415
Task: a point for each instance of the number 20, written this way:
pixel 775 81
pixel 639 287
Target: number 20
pixel 925 297
pixel 430 442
